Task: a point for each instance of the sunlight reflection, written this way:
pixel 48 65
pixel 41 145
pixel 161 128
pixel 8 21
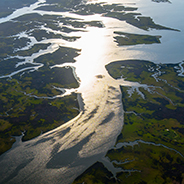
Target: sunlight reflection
pixel 94 46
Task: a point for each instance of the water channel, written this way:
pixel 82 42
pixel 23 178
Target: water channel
pixel 60 155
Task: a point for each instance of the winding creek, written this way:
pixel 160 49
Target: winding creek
pixel 65 152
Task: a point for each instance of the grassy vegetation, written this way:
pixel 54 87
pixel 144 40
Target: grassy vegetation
pixel 116 11
pixel 100 8
pixel 161 1
pixel 97 173
pixel 161 110
pixel 143 164
pixel 33 22
pixel 151 164
pixel 19 109
pixel 134 39
pixel 20 112
pixel 7 7
pixel 156 120
pixel 119 12
pixel 34 49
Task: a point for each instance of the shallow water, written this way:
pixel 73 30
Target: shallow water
pixel 65 152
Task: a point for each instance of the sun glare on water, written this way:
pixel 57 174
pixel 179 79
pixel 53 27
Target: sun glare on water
pixel 94 49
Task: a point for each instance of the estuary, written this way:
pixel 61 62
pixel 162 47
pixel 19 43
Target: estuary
pixel 88 88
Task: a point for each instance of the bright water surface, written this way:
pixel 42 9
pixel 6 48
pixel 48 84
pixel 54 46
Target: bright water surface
pixel 65 152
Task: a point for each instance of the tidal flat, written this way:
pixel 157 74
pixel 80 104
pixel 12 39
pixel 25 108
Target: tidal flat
pixel 39 61
pixel 31 94
pixel 150 146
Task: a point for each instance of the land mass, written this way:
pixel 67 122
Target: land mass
pixel 150 146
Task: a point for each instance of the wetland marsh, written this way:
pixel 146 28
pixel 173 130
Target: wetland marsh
pixel 92 91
